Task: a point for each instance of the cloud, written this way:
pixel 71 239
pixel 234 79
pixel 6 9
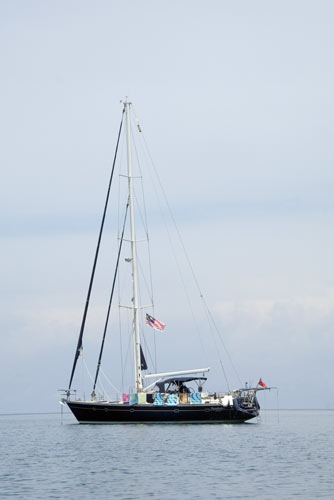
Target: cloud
pixel 242 137
pixel 287 342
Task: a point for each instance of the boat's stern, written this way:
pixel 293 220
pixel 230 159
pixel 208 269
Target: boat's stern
pixel 245 402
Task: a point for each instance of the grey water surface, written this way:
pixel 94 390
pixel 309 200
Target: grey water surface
pixel 282 456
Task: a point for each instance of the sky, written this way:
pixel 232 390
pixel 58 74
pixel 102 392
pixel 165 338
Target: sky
pixel 236 103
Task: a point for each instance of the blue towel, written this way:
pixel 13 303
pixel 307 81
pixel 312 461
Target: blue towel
pixel 159 399
pixel 172 399
pixel 196 398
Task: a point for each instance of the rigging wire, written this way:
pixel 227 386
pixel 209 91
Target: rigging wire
pixel 141 302
pixel 205 305
pixel 127 328
pixel 184 285
pixel 128 347
pixel 120 344
pixel 142 273
pixel 84 364
pixel 109 381
pixel 145 224
pixel 119 272
pixel 111 297
pixel 216 329
pixel 79 344
pixel 119 186
pixel 144 219
pixel 176 259
pixel 83 375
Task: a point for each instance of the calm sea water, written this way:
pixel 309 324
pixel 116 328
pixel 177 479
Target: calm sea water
pixel 283 456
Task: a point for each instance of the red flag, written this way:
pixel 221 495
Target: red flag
pixel 262 384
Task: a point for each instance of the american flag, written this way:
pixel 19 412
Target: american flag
pixel 155 323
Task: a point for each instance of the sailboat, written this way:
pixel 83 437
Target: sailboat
pixel 162 397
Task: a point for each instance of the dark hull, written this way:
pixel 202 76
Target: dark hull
pixel 109 413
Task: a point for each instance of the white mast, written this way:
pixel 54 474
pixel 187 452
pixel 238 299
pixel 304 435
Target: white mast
pixel 136 332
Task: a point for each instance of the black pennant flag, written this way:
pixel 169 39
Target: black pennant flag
pixel 143 363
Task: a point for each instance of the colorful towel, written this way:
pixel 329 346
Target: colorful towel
pixel 196 398
pixel 134 399
pixel 159 399
pixel 172 399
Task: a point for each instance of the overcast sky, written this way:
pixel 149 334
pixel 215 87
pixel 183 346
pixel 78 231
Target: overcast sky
pixel 236 103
